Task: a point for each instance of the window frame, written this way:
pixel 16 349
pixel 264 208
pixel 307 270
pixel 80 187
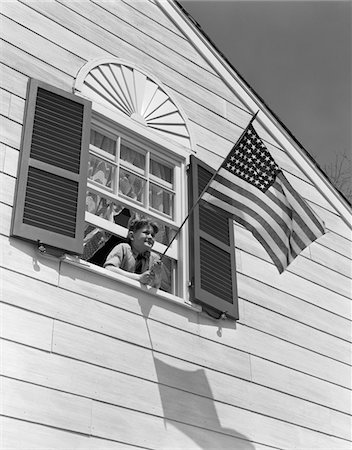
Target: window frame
pixel 116 127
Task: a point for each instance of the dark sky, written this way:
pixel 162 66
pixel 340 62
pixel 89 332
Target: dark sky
pixel 297 56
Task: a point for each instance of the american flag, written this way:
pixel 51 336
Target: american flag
pixel 251 186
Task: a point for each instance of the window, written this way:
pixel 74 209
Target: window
pixel 128 179
pixel 81 178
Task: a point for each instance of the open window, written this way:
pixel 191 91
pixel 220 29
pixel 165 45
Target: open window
pixel 128 178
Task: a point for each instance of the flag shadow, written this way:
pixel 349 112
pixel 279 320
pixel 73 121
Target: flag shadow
pixel 188 405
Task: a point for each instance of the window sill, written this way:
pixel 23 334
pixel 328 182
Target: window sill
pixel 128 281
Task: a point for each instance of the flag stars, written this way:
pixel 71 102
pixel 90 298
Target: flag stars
pixel 251 161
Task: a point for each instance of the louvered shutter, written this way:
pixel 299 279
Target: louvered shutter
pixel 52 178
pixel 212 249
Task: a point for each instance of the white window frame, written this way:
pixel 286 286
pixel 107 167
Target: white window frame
pixel 115 125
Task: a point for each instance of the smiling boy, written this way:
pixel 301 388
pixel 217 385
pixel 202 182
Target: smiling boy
pixel 134 258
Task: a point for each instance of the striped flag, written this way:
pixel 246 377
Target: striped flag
pixel 251 186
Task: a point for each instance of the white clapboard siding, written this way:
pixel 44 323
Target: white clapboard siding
pixel 244 339
pixel 2 156
pixel 23 257
pixel 40 47
pixel 23 326
pixel 10 132
pixel 332 258
pixel 296 383
pixel 333 222
pixel 267 296
pixel 25 63
pixel 134 24
pixel 37 404
pixel 103 384
pixel 20 435
pixel 5 103
pixel 25 16
pixel 152 10
pixel 111 421
pixel 257 427
pixel 302 266
pixel 248 341
pixel 11 106
pixel 13 81
pixel 5 222
pixel 75 309
pixel 7 189
pixel 10 161
pixel 86 313
pixel 293 284
pixel 136 359
pixel 158 433
pixel 292 331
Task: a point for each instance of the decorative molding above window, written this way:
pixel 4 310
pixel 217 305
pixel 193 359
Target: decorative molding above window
pixel 123 87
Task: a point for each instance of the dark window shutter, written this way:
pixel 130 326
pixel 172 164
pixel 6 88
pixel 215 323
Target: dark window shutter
pixel 212 249
pixel 52 178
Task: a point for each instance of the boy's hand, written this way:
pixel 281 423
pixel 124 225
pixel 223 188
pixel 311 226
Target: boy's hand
pixel 146 277
pixel 156 268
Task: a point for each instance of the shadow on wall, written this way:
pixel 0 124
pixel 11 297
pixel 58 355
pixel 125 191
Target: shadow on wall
pixel 185 409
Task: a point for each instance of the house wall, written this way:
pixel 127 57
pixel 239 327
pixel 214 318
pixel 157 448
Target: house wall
pixel 90 362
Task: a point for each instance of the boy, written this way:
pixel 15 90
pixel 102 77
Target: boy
pixel 134 258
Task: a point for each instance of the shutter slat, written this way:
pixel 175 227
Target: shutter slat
pixel 61 132
pixel 60 103
pixel 39 182
pixel 57 113
pixel 41 206
pixel 36 196
pixel 55 130
pixel 214 222
pixel 63 160
pixel 48 227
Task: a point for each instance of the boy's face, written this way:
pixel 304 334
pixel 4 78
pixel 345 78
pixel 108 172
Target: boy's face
pixel 142 239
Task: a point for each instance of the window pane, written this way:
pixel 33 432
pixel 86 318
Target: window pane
pixel 101 171
pixel 161 171
pixel 132 157
pixel 98 205
pixel 161 200
pixel 103 142
pixel 167 272
pixel 131 186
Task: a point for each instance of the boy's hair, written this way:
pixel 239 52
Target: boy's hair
pixel 137 224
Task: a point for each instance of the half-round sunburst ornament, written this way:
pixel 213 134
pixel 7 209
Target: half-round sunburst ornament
pixel 127 89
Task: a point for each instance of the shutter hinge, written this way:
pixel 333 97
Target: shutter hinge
pixel 47 251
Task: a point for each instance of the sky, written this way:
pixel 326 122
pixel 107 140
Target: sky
pixel 297 56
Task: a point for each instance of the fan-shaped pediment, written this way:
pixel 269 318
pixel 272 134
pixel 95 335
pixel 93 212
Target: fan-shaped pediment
pixel 132 92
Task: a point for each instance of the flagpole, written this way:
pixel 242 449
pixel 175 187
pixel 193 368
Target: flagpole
pixel 206 187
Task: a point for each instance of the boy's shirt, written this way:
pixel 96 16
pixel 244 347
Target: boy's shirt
pixel 122 256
